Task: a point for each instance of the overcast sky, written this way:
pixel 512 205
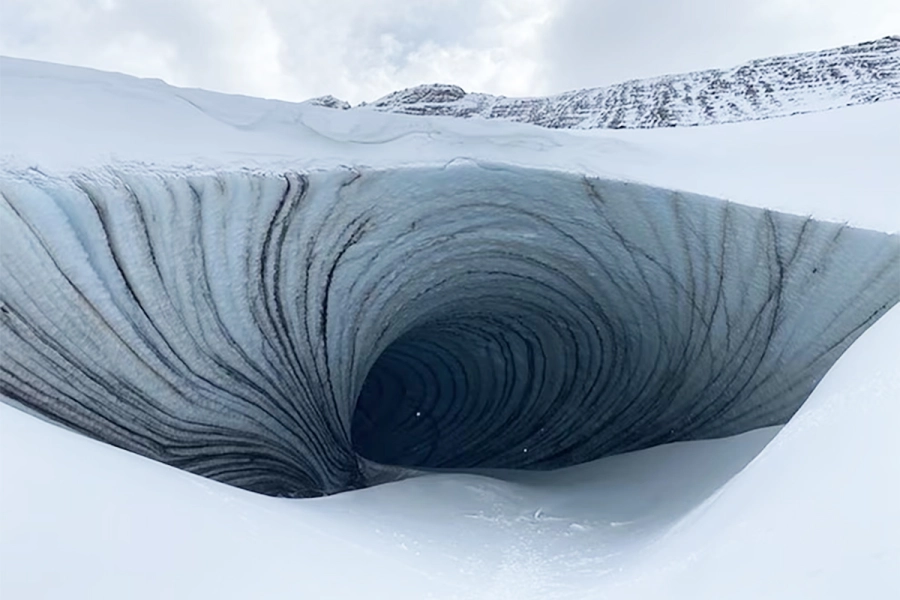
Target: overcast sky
pixel 360 50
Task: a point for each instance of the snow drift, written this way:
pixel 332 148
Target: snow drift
pixel 294 333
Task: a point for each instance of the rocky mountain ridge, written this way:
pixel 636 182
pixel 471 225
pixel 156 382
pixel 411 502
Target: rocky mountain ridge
pixel 764 88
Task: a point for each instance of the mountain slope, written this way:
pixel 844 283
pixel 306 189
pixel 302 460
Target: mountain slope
pixel 769 87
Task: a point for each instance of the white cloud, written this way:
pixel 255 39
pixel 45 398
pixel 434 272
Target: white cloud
pixel 360 49
pixel 596 42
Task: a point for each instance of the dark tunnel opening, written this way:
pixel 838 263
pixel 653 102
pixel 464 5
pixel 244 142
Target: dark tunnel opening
pixel 450 394
pixel 503 387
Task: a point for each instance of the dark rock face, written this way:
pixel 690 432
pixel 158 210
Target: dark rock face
pixel 280 332
pixel 422 94
pixel 329 102
pixel 765 88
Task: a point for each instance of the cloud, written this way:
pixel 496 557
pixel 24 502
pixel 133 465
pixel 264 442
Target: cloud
pixel 198 42
pixel 361 50
pixel 364 50
pixel 597 42
pixel 282 48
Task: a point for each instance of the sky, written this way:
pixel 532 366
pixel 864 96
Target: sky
pixel 360 50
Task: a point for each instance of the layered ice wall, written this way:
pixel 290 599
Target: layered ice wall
pixel 292 333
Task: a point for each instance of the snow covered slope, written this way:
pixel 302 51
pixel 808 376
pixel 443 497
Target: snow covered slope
pixel 813 515
pixel 834 165
pixel 770 87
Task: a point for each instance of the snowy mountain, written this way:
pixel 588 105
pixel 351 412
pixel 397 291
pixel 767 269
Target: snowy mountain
pixel 765 88
pixel 283 297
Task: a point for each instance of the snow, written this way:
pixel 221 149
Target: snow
pixel 761 89
pixel 835 165
pixel 813 513
pixel 84 520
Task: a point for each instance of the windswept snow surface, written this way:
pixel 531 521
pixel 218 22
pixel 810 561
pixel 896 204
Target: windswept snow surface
pixel 814 514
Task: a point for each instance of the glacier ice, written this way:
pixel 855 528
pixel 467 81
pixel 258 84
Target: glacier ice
pixel 302 334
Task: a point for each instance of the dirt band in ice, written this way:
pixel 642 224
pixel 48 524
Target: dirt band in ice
pixel 288 332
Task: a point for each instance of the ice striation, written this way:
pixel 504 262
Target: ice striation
pixel 301 334
pixel 304 332
pixel 764 88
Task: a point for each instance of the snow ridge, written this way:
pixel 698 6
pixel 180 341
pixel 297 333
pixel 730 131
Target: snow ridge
pixel 770 87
